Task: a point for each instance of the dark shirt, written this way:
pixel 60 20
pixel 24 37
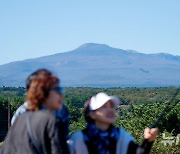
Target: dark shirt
pixel 46 129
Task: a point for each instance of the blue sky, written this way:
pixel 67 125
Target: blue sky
pixel 35 28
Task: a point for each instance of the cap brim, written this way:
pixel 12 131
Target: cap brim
pixel 115 100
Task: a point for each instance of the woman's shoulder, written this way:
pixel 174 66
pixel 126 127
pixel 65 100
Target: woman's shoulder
pixel 40 116
pixel 123 142
pixel 77 136
pixel 46 116
pixel 76 143
pixel 42 113
pixel 125 134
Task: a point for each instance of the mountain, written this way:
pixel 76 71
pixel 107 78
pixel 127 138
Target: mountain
pixel 99 65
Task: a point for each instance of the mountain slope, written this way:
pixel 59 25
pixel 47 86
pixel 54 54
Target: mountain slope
pixel 99 65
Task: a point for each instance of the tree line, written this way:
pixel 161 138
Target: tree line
pixel 141 107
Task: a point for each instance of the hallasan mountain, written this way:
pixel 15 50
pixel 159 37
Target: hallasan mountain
pixel 99 65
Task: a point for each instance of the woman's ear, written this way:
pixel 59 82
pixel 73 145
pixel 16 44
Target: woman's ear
pixel 92 115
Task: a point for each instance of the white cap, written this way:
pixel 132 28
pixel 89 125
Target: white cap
pixel 100 99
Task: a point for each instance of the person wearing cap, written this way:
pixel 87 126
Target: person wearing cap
pixel 38 130
pixel 100 136
pixel 63 113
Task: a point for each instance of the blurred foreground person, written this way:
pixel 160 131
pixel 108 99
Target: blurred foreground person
pixel 38 130
pixel 62 113
pixel 101 137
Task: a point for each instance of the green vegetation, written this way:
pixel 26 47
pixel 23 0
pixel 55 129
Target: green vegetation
pixel 141 106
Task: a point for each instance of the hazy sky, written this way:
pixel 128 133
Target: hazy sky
pixel 34 28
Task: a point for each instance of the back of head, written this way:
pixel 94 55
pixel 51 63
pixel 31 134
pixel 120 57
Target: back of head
pixel 86 112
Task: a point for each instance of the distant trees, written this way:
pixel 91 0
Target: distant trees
pixel 15 97
pixel 141 106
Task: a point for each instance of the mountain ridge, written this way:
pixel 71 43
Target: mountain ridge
pixel 100 65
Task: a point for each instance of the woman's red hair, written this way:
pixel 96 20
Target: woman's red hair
pixel 39 90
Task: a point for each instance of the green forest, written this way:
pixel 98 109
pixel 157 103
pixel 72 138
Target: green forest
pixel 141 107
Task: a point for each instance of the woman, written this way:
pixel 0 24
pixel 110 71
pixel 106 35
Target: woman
pixel 101 137
pixel 63 113
pixel 38 130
